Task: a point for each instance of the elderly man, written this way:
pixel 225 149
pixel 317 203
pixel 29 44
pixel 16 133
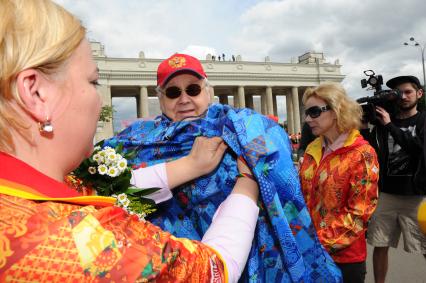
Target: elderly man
pixel 285 248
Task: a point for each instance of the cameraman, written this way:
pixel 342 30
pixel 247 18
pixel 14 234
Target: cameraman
pixel 398 142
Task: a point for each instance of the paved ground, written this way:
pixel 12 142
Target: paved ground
pixel 403 267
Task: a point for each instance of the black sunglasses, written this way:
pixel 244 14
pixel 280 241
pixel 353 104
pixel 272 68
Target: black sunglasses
pixel 315 111
pixel 174 92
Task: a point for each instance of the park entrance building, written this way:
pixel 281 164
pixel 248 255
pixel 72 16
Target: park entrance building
pixel 263 86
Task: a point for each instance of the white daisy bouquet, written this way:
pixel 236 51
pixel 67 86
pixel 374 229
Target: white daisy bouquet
pixel 108 173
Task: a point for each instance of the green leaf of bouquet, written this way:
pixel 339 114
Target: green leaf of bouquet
pixel 119 148
pixel 126 174
pixel 100 144
pixel 147 201
pixel 121 184
pixel 139 192
pixel 141 205
pixel 131 154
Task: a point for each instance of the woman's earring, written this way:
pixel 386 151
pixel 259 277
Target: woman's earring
pixel 45 127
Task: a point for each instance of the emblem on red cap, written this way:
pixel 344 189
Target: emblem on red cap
pixel 177 62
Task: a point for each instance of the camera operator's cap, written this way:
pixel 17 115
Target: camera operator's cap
pixel 177 64
pixel 395 82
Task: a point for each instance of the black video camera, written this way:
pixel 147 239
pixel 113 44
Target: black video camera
pixel 388 99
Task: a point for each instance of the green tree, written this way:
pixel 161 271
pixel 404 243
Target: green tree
pixel 107 112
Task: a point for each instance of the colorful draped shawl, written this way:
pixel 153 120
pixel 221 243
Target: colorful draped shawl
pixel 285 248
pixel 48 233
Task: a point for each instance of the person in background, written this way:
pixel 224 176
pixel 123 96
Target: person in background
pixel 49 109
pixel 398 142
pixel 285 248
pixel 339 176
pixel 306 138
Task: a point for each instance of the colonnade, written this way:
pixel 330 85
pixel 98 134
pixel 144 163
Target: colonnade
pixel 242 96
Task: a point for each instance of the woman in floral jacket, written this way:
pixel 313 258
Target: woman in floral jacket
pixel 339 177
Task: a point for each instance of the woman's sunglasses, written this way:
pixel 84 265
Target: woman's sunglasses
pixel 315 111
pixel 174 92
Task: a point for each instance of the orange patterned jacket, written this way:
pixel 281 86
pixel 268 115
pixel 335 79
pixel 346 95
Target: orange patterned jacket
pixel 48 233
pixel 341 194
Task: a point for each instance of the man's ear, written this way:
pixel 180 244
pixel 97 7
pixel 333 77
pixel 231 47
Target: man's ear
pixel 28 85
pixel 209 94
pixel 421 93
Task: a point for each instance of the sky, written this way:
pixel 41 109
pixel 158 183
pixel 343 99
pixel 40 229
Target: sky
pixel 361 34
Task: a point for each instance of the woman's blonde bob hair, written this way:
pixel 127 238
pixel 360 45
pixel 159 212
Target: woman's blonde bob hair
pixel 34 34
pixel 348 112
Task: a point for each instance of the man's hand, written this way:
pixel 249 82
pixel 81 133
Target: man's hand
pixel 206 153
pixel 383 116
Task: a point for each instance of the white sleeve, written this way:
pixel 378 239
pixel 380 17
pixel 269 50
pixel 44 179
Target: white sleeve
pixel 231 232
pixel 153 177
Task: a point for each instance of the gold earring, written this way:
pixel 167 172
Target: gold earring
pixel 45 127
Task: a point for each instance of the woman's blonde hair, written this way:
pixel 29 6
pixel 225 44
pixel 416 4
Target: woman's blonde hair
pixel 348 112
pixel 36 34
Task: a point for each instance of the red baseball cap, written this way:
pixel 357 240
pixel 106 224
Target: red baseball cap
pixel 177 64
pixel 273 117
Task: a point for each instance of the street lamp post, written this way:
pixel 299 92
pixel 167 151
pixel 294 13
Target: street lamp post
pixel 422 50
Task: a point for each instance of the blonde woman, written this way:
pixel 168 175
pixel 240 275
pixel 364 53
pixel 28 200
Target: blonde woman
pixel 339 175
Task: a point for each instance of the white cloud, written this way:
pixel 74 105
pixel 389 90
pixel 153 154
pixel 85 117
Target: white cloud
pixel 199 52
pixel 361 34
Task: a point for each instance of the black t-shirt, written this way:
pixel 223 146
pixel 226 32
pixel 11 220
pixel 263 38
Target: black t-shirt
pixel 400 164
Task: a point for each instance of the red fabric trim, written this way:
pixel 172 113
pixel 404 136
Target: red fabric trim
pixel 17 171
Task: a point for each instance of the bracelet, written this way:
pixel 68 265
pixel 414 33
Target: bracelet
pixel 241 158
pixel 247 175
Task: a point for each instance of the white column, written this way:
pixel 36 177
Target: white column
pixel 241 100
pixel 235 95
pixel 296 116
pixel 274 97
pixel 263 107
pixel 269 102
pixel 143 102
pixel 290 114
pixel 105 129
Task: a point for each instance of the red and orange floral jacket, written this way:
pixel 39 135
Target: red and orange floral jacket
pixel 50 233
pixel 341 194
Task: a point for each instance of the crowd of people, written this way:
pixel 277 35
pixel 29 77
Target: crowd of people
pixel 223 58
pixel 232 207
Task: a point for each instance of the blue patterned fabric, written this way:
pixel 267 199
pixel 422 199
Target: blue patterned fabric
pixel 285 248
